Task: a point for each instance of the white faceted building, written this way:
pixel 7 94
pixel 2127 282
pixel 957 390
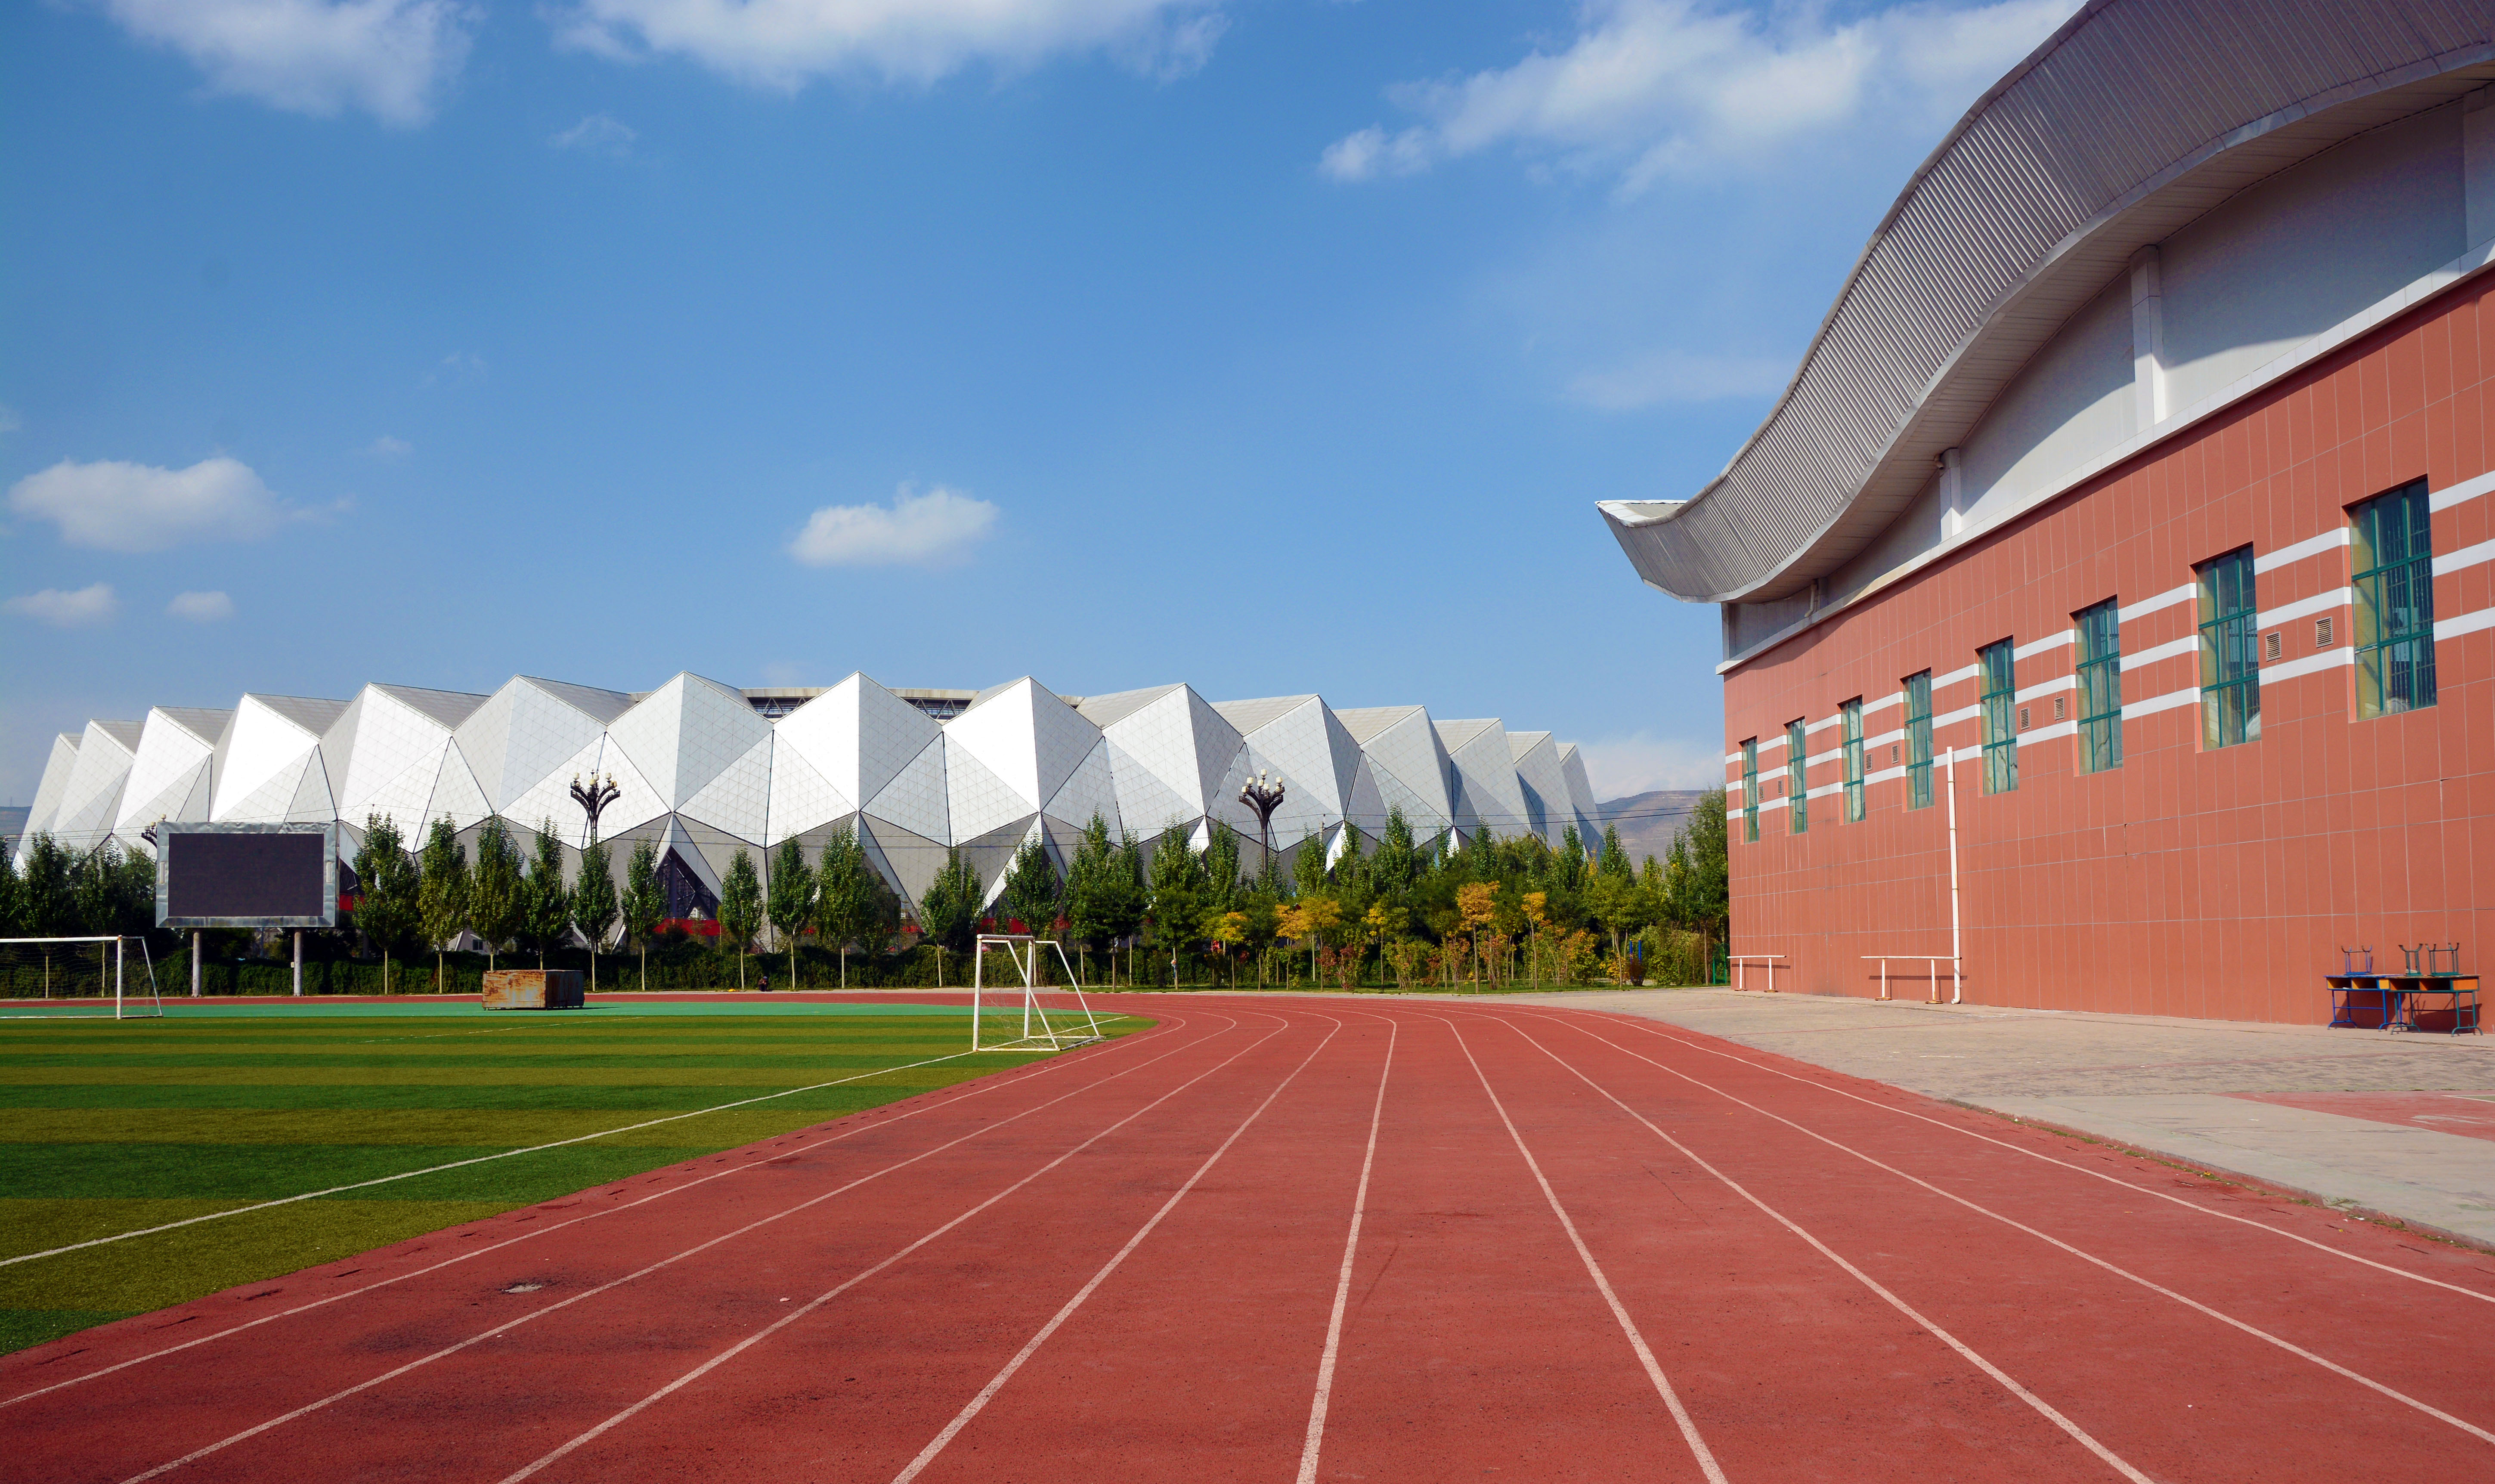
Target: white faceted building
pixel 704 770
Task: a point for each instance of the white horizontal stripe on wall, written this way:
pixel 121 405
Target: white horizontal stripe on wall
pixel 2319 603
pixel 1885 775
pixel 2047 687
pixel 2188 644
pixel 1834 755
pixel 2466 556
pixel 2328 659
pixel 1954 677
pixel 2148 606
pixel 1953 718
pixel 1822 724
pixel 2461 493
pixel 1893 699
pixel 2467 623
pixel 2311 545
pixel 2070 729
pixel 1825 789
pixel 2156 703
pixel 2029 651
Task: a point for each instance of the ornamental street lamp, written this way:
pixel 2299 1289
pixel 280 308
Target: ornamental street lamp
pixel 594 796
pixel 1264 794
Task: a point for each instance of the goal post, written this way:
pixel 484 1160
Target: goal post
pixel 1042 1027
pixel 84 977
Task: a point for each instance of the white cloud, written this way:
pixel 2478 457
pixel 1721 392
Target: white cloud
pixel 386 447
pixel 1675 375
pixel 10 421
pixel 1621 766
pixel 599 133
pixel 787 43
pixel 140 508
pixel 67 610
pixel 1648 88
pixel 929 530
pixel 201 607
pixel 387 57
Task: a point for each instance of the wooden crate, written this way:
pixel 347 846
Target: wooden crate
pixel 532 989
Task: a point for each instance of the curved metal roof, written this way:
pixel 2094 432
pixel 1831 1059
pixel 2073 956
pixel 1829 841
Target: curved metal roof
pixel 2135 117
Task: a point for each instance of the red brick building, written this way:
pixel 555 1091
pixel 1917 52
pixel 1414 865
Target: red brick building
pixel 2142 471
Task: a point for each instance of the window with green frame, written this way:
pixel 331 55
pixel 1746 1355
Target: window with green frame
pixel 2392 553
pixel 1796 779
pixel 1852 714
pixel 1919 740
pixel 2230 651
pixel 1997 673
pixel 2097 633
pixel 1750 789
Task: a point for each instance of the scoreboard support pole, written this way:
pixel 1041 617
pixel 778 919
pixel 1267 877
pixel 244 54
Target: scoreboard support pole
pixel 298 963
pixel 195 963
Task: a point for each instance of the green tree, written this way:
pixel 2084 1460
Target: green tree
pixel 1177 895
pixel 593 899
pixel 1030 888
pixel 1309 866
pixel 47 907
pixel 1105 890
pixel 849 904
pixel 793 902
pixel 497 890
pixel 740 907
pixel 645 900
pixel 549 901
pixel 1697 877
pixel 1220 868
pixel 948 909
pixel 12 896
pixel 388 912
pixel 442 891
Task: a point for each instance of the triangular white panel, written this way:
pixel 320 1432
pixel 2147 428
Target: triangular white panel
pixel 171 757
pixel 801 797
pixel 455 793
pixel 91 801
pixel 1487 771
pixel 56 782
pixel 915 800
pixel 636 804
pixel 1144 801
pixel 976 799
pixel 550 798
pixel 274 799
pixel 312 803
pixel 523 735
pixel 1090 790
pixel 262 741
pixel 737 799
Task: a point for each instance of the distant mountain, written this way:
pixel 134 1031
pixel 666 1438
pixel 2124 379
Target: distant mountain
pixel 12 821
pixel 1647 822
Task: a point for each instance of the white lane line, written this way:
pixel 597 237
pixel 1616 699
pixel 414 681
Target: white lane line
pixel 288 1200
pixel 974 1090
pixel 2188 1205
pixel 997 1383
pixel 1309 1450
pixel 1698 1448
pixel 2045 1409
pixel 668 1261
pixel 2288 1346
pixel 820 1299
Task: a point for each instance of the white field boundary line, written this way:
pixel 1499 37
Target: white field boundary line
pixel 2160 1290
pixel 1311 1450
pixel 360 1184
pixel 1698 1448
pixel 978 1404
pixel 820 1300
pixel 673 1258
pixel 2188 1205
pixel 983 1086
pixel 2009 1383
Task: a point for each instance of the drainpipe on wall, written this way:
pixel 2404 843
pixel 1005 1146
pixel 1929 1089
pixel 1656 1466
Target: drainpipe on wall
pixel 1957 963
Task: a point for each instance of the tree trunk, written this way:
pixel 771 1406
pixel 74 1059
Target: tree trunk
pixel 645 967
pixel 844 964
pixel 437 968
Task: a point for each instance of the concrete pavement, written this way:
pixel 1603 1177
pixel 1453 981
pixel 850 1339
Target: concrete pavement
pixel 2419 1146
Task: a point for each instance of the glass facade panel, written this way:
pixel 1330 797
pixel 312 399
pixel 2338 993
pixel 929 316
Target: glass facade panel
pixel 1852 714
pixel 2098 636
pixel 1919 740
pixel 1997 669
pixel 1796 779
pixel 2392 553
pixel 1750 789
pixel 2230 651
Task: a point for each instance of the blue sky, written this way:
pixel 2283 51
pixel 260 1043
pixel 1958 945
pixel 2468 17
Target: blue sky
pixel 1269 345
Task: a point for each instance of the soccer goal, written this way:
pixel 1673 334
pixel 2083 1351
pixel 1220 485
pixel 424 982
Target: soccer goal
pixel 66 979
pixel 1043 1026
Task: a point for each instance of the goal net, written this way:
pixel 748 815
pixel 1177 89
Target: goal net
pixel 78 977
pixel 1023 1011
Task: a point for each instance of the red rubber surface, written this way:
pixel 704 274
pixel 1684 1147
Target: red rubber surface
pixel 1834 1279
pixel 2472 1114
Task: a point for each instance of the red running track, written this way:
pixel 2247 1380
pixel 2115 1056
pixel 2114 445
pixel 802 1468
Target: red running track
pixel 1333 1238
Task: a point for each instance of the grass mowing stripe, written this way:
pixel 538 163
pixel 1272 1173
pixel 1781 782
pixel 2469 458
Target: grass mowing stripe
pixel 481 1159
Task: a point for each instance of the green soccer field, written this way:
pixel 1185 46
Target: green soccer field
pixel 109 1127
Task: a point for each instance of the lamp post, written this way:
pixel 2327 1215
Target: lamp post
pixel 1263 793
pixel 594 796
